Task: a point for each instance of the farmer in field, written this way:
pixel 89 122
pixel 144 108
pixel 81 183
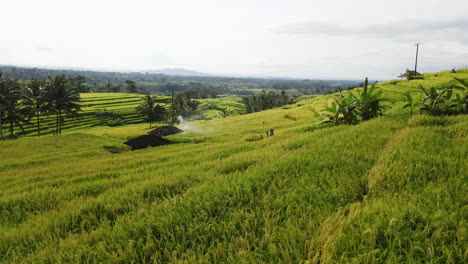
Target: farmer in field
pixel 271 132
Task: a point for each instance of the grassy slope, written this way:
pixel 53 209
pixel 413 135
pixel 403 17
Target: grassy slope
pixel 390 189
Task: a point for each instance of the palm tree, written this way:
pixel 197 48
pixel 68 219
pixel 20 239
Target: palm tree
pixel 61 98
pixel 151 110
pixel 10 108
pixel 34 101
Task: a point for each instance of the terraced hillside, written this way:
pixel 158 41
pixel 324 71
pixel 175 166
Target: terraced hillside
pixel 124 105
pixel 392 189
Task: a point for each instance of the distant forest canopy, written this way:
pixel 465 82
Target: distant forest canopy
pixel 146 83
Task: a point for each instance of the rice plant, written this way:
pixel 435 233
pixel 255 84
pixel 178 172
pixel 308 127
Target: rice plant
pixel 391 189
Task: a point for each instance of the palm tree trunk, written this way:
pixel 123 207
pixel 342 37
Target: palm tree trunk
pixel 38 124
pixel 1 128
pixel 61 121
pixel 56 123
pixel 11 127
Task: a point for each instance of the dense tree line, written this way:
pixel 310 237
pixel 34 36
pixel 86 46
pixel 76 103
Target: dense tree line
pixel 57 96
pixel 146 83
pixel 265 100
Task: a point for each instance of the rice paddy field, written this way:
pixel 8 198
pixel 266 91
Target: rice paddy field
pixel 124 105
pixel 389 190
pixel 120 103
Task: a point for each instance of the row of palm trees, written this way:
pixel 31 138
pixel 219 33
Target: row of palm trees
pixel 18 105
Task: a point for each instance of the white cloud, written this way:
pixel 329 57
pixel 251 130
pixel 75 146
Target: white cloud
pixel 399 30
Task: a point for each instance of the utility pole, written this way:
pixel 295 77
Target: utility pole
pixel 416 63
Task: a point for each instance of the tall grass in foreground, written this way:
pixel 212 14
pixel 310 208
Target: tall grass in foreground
pixel 391 189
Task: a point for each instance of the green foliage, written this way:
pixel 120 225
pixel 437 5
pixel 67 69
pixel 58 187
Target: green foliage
pixel 11 109
pixel 61 98
pixel 184 105
pixel 350 109
pixel 412 102
pixel 412 75
pixel 34 101
pixel 111 88
pixel 205 87
pixel 462 99
pixel 368 102
pixel 438 101
pixel 265 100
pixel 106 113
pixel 131 87
pixel 341 111
pixel 152 111
pixel 116 122
pixel 290 116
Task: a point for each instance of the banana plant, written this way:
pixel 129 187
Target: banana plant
pixel 368 101
pixel 462 100
pixel 342 110
pixel 462 103
pixel 412 102
pixel 437 100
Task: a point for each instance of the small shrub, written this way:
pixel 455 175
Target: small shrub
pixel 105 113
pixel 116 148
pixel 290 116
pixel 253 138
pixel 116 122
pixel 416 78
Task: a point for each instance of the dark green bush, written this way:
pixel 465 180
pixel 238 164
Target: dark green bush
pixel 116 122
pixel 352 109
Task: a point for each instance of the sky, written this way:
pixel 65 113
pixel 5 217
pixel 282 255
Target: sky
pixel 348 39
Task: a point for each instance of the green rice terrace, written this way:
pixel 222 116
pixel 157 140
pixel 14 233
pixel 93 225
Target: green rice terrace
pixel 123 105
pixel 392 189
pixel 120 103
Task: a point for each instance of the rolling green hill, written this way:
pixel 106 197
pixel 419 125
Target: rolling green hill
pixel 392 189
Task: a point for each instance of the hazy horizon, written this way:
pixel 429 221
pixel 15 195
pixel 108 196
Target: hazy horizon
pixel 297 39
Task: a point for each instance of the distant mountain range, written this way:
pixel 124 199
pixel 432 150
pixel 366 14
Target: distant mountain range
pixel 179 72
